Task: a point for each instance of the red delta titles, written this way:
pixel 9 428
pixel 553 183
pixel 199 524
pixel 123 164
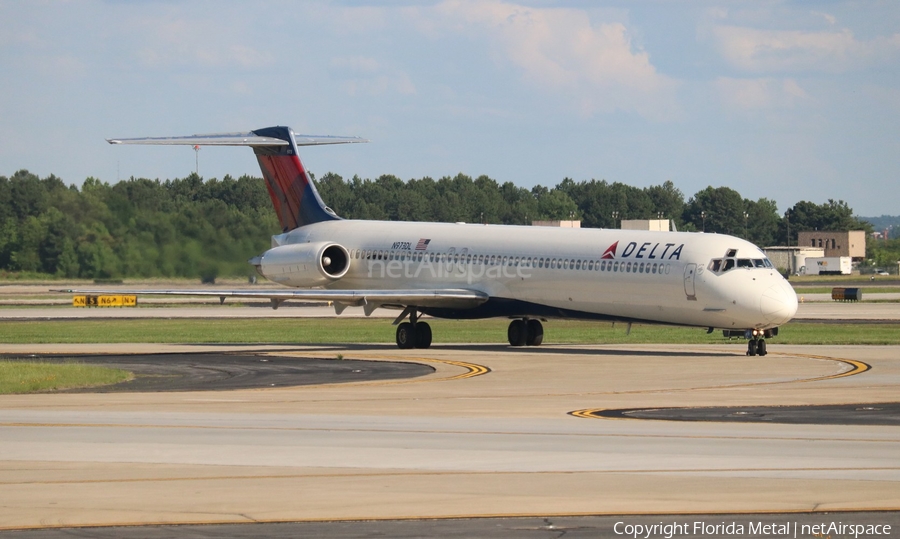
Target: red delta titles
pixel 642 251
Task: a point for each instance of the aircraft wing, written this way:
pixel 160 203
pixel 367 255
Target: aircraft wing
pixel 370 299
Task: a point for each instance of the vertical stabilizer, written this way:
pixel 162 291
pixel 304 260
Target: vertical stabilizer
pixel 296 200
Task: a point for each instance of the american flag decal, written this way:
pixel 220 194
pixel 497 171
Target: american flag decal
pixel 423 244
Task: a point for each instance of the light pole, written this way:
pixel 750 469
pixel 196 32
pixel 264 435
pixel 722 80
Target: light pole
pixel 787 217
pixel 703 216
pixel 615 216
pixel 746 215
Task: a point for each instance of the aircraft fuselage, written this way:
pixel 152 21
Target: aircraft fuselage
pixel 629 275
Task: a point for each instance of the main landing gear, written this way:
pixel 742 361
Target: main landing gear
pixel 413 334
pixel 525 332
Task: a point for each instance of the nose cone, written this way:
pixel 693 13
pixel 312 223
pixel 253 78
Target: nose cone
pixel 779 303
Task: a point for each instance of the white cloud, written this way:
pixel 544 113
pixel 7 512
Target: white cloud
pixel 759 94
pixel 594 66
pixel 829 18
pixel 780 50
pixel 396 83
pixel 183 41
pixel 363 75
pixel 362 64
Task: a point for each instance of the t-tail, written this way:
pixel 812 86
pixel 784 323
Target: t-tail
pixel 294 196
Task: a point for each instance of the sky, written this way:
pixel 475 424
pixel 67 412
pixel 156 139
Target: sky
pixel 782 100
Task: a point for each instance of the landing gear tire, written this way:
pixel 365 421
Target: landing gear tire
pixel 534 334
pixel 423 335
pixel 751 347
pixel 761 348
pixel 517 334
pixel 406 336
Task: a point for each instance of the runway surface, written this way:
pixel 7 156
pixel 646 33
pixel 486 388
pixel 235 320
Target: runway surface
pixel 487 433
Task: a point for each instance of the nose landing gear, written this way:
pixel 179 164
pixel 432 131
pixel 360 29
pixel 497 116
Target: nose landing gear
pixel 756 345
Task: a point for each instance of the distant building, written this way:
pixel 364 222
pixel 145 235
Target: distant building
pixel 791 259
pixel 659 225
pixel 850 243
pixel 559 224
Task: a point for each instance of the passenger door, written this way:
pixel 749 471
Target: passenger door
pixel 689 289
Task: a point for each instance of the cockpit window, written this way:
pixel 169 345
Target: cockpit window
pixel 721 265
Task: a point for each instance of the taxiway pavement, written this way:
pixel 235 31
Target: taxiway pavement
pixel 488 433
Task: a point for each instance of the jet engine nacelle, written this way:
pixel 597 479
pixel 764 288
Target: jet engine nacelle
pixel 304 264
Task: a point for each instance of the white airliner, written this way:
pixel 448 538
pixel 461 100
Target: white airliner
pixel 469 271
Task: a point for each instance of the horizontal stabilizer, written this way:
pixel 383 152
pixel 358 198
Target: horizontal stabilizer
pixel 237 139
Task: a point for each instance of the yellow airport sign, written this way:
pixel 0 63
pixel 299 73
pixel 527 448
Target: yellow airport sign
pixel 104 301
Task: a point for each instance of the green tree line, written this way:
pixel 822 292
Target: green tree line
pixel 189 227
pixel 134 228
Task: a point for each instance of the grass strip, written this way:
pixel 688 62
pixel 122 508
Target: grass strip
pixel 361 330
pixel 31 377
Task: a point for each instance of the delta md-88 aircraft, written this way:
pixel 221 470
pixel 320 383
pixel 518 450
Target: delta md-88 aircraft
pixel 469 271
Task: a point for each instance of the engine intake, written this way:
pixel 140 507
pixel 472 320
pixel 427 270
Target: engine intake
pixel 304 264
